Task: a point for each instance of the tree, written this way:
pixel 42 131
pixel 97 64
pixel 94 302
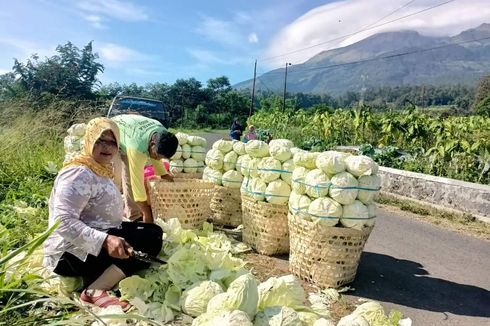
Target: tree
pixel 482 97
pixel 70 74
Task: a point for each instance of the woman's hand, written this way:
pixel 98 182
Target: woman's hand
pixel 116 247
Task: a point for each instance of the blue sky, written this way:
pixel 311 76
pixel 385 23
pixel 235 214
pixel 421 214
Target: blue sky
pixel 161 41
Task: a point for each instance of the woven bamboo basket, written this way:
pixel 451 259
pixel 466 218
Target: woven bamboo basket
pixel 226 206
pixel 265 226
pixel 324 255
pixel 183 175
pixel 186 199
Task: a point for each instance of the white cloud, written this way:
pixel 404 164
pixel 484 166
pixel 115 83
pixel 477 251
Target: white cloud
pixel 218 30
pixel 253 38
pixel 118 54
pixel 22 49
pixel 95 21
pixel 123 10
pixel 334 20
pixel 207 57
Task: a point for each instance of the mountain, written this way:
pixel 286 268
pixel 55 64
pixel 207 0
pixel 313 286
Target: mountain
pixel 380 60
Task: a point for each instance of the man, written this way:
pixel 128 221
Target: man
pixel 142 140
pixel 236 129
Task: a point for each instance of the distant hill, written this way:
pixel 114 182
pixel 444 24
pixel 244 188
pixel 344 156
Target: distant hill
pixel 454 64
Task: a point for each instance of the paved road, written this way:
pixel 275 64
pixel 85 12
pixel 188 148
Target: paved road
pixel 434 276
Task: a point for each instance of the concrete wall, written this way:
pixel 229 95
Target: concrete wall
pixel 465 197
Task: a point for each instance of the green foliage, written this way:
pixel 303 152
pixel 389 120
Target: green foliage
pixel 71 74
pixel 454 147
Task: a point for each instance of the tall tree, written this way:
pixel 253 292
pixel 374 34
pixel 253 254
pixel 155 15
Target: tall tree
pixel 70 74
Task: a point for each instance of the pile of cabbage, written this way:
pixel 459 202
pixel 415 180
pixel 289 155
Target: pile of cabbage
pixel 189 157
pixel 223 163
pixel 267 170
pixel 334 188
pixel 205 281
pixel 73 143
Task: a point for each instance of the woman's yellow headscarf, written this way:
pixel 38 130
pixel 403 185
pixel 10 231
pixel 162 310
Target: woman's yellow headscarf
pixel 94 130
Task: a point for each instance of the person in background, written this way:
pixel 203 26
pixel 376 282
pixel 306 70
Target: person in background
pixel 236 129
pixel 250 135
pixel 91 241
pixel 142 140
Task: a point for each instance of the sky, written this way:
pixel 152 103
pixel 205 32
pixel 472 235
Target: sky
pixel 161 41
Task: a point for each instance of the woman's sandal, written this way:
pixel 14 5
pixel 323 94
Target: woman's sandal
pixel 102 299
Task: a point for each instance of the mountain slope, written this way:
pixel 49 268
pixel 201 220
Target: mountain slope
pixel 379 61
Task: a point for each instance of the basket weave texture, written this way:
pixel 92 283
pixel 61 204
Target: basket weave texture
pixel 226 206
pixel 185 199
pixel 265 226
pixel 324 255
pixel 183 175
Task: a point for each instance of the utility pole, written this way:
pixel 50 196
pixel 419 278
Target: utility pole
pixel 285 80
pixel 253 91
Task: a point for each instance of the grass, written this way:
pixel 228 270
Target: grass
pixel 463 223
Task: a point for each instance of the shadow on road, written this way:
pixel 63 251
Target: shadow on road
pixel 404 282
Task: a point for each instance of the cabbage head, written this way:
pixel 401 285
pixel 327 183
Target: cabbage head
pixel 287 167
pixel 246 186
pixel 361 165
pixel 305 159
pixel 239 148
pixel 344 196
pixel 232 179
pixel 280 149
pixel 353 320
pixel 200 166
pixel 277 192
pixel 224 146
pixel 368 182
pixel 323 322
pixel 295 150
pixel 186 151
pixel 242 163
pixel 77 130
pixel 277 316
pixel 194 300
pixel 317 183
pixel 223 318
pixel 176 166
pixel 253 167
pixel 212 175
pixel 298 179
pixel 331 162
pixel 242 294
pixel 325 211
pixel 197 141
pixel 298 202
pixel 257 148
pixel 214 159
pixel 269 169
pixel 281 291
pixel 308 318
pixel 229 161
pixel 182 138
pixel 190 165
pixel 198 153
pixel 257 189
pixel 354 215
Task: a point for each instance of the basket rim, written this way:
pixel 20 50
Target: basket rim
pixel 342 230
pixel 263 203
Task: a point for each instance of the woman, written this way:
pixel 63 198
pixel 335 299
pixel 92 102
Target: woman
pixel 91 240
pixel 250 135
